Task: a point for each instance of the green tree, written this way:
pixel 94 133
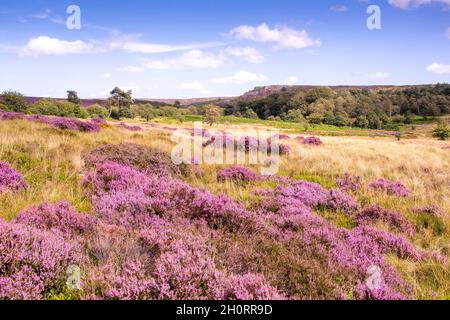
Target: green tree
pixel 212 116
pixel 295 115
pixel 97 110
pixel 442 132
pixel 122 100
pixel 250 114
pixel 13 101
pixel 72 96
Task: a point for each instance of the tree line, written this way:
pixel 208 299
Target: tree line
pixel 374 109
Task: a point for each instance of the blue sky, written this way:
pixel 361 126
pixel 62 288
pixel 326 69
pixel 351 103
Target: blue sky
pixel 197 48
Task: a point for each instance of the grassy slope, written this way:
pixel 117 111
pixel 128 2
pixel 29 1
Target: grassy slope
pixel 51 161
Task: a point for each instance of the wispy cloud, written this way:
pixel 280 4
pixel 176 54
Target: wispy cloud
pixel 241 77
pixel 283 37
pixel 407 4
pixel 195 86
pixel 439 68
pixel 191 59
pixel 339 8
pixel 142 47
pixel 292 80
pixel 43 15
pixel 45 45
pixel 249 54
pixel 132 69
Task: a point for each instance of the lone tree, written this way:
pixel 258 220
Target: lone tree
pixel 123 101
pixel 13 101
pixel 72 96
pixel 212 116
pixel 442 132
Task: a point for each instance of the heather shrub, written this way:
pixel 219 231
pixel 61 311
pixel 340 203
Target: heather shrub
pixel 32 261
pixel 315 141
pixel 236 174
pixel 377 213
pixel 120 264
pixel 10 179
pixel 60 217
pixel 284 149
pixel 140 157
pixel 390 187
pixel 56 122
pixel 340 201
pixel 349 182
pixel 129 128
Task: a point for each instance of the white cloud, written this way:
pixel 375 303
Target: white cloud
pixel 191 59
pixel 378 75
pixel 439 68
pixel 106 75
pixel 292 80
pixel 339 8
pixel 406 4
pixel 44 45
pixel 250 54
pixel 131 69
pixel 142 47
pixel 242 77
pixel 194 86
pixel 284 37
pixel 43 15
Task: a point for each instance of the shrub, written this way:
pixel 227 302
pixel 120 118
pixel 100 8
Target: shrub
pixel 13 101
pixel 60 216
pixel 441 131
pixel 349 182
pixel 97 111
pixel 312 141
pixel 129 128
pixel 33 261
pixel 390 187
pixel 236 174
pixel 10 179
pixel 140 157
pixel 50 107
pixel 392 218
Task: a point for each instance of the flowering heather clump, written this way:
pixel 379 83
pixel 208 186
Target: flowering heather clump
pixel 390 187
pixel 129 128
pixel 312 141
pixel 141 157
pixel 10 179
pixel 11 116
pixel 392 218
pixel 236 174
pixel 99 121
pixel 60 217
pixel 57 122
pixel 282 137
pixel 349 182
pixel 340 201
pixel 284 149
pixel 433 210
pixel 32 261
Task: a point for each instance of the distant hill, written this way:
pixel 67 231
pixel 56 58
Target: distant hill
pixel 262 91
pixel 156 102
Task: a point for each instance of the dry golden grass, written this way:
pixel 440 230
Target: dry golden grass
pixel 51 161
